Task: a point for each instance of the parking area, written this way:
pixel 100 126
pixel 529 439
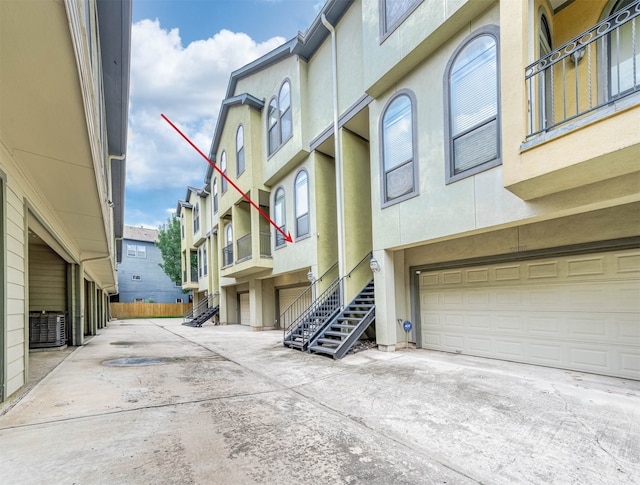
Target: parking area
pixel 152 401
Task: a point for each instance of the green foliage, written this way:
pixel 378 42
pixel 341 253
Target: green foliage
pixel 169 245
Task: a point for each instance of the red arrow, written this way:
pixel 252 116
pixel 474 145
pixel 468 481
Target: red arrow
pixel 287 237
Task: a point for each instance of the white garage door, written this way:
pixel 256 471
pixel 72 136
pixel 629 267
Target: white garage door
pixel 578 312
pixel 245 311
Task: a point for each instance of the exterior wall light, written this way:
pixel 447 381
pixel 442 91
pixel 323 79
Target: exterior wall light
pixel 310 277
pixel 374 265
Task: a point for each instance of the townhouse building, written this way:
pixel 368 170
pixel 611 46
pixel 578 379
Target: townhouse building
pixel 458 175
pixel 140 277
pixel 64 90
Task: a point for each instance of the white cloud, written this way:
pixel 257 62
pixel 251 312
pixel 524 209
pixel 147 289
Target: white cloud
pixel 187 84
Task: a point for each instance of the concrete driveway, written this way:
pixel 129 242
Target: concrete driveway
pixel 151 401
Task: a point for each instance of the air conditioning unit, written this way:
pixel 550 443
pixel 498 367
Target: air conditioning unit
pixel 46 329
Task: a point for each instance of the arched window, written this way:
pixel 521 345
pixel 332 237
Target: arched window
pixel 279 216
pixel 196 217
pixel 215 195
pixel 227 251
pixel 399 166
pixel 240 151
pixel 301 203
pixel 623 70
pixel 273 131
pixel 472 98
pixel 545 46
pixel 223 169
pixel 284 104
pixel 279 118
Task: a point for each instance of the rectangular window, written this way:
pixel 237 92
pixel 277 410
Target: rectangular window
pixel 139 300
pixel 178 300
pixel 131 250
pixel 141 251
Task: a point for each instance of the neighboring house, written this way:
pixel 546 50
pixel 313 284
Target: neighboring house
pixel 64 72
pixel 140 278
pixel 470 157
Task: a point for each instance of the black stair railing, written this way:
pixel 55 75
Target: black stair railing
pixel 202 306
pixel 311 320
pixel 291 317
pixel 341 333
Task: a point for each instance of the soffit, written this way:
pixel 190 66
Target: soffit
pixel 42 121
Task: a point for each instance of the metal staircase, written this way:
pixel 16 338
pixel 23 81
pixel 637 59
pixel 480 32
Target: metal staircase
pixel 324 323
pixel 202 311
pixel 318 314
pixel 337 336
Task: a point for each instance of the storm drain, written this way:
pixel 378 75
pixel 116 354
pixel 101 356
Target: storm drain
pixel 139 361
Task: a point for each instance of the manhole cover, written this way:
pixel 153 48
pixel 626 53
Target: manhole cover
pixel 138 361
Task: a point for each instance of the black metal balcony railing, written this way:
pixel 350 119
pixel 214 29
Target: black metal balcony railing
pixel 587 73
pixel 227 255
pixel 265 245
pixel 244 247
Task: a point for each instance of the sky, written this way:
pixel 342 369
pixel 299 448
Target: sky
pixel 182 53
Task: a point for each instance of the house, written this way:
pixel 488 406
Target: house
pixel 64 72
pixel 140 277
pixel 462 176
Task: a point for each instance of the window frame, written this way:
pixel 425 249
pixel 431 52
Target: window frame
pixel 223 169
pixel 450 175
pixel 297 217
pixel 386 31
pixel 141 251
pixel 196 217
pixel 385 202
pixel 275 126
pixel 215 194
pixel 279 140
pixel 279 241
pixel 545 89
pixel 288 110
pixel 132 250
pixel 240 151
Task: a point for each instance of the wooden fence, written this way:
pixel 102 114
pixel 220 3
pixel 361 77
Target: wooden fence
pixel 148 310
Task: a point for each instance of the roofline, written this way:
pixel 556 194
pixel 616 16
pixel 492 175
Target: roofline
pixel 239 100
pixel 302 45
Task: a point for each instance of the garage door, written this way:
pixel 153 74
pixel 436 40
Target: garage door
pixel 286 296
pixel 578 312
pixel 245 312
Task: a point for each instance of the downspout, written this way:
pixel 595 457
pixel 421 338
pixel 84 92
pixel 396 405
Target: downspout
pixel 342 270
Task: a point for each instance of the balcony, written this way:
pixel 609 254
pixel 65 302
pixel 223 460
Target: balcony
pixel 244 248
pixel 253 255
pixel 590 77
pixel 583 104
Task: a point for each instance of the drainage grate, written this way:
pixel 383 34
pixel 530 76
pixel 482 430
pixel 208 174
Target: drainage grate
pixel 139 361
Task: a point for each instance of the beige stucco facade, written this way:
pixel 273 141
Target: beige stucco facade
pixel 570 187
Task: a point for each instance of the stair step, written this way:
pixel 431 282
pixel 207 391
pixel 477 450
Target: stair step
pixel 329 341
pixel 345 325
pixel 322 350
pixel 332 333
